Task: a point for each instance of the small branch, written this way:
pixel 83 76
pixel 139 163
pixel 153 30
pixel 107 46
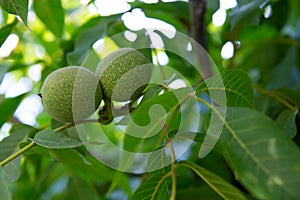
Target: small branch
pixel 272 94
pixel 173 171
pixel 64 127
pixel 32 144
pixel 198 33
pixel 173 163
pixel 18 153
pixel 197 18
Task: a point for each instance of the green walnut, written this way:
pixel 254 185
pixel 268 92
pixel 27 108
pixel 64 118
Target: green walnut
pixel 71 94
pixel 124 74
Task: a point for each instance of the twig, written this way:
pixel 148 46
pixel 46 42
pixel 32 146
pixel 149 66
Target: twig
pixel 32 144
pixel 15 155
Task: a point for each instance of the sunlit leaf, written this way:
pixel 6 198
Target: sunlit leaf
pixel 91 61
pixel 158 160
pixel 55 140
pixel 175 13
pixel 152 91
pixel 179 9
pixel 92 31
pixel 236 84
pixel 145 132
pixel 218 184
pixel 5 32
pixel 8 106
pixel 148 118
pixel 52 15
pixel 3 69
pixel 262 157
pixel 17 7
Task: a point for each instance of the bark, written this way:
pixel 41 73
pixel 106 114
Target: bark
pixel 198 33
pixel 197 16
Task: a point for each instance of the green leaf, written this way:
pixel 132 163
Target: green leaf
pixel 147 119
pixel 81 190
pixel 152 91
pixel 87 168
pixel 5 194
pixel 236 84
pixel 183 61
pixel 12 170
pixel 262 157
pixel 175 13
pixel 56 124
pixel 154 187
pixel 35 150
pixel 145 132
pixel 218 184
pixel 196 137
pixel 142 42
pixel 179 9
pixel 91 61
pixel 122 181
pixel 291 28
pixel 8 106
pixel 158 160
pixel 52 15
pixel 282 74
pixel 55 140
pixel 17 7
pixel 291 96
pixel 205 192
pixel 9 145
pixel 248 13
pixel 287 121
pixel 5 32
pixel 92 31
pixel 3 69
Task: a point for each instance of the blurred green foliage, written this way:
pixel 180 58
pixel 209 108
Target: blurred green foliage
pixel 257 156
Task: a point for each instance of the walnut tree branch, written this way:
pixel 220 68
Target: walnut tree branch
pixel 197 17
pixel 198 33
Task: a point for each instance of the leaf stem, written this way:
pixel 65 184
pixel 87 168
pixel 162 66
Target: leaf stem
pixel 32 144
pixel 173 166
pixel 273 95
pixel 15 155
pixel 69 125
